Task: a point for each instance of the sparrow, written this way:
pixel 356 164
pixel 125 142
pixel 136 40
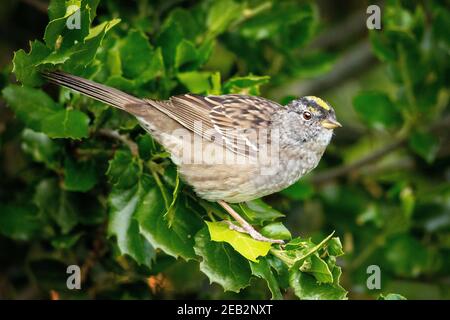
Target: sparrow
pixel 230 148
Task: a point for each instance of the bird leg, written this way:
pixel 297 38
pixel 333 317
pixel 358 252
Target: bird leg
pixel 245 226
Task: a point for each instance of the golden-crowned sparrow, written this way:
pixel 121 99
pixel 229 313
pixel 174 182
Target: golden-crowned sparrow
pixel 229 148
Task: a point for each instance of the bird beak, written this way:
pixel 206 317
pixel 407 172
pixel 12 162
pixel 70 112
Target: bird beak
pixel 330 124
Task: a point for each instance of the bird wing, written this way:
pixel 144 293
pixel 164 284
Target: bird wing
pixel 233 120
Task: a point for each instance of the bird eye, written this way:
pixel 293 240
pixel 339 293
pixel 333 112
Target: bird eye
pixel 307 115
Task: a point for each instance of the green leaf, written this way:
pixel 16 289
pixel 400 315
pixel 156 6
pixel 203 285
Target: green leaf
pixel 20 222
pixel 196 81
pixel 175 240
pixel 82 54
pixel 300 190
pixel 133 64
pixel 66 241
pixel 276 230
pixel 67 123
pixel 334 247
pixel 186 22
pixel 306 287
pixel 259 212
pixel 221 263
pixel 57 204
pixel 168 40
pixel 314 64
pixel 123 170
pixel 39 112
pixel 25 63
pixel 40 147
pixel 221 14
pixel 241 242
pixel 58 26
pixel 123 203
pixel 185 53
pixel 298 250
pixel 245 85
pixel 391 296
pixel 407 257
pixel 377 110
pixel 189 57
pixel 319 269
pixel 79 176
pixel 263 270
pixel 147 146
pixel 425 145
pixel 30 105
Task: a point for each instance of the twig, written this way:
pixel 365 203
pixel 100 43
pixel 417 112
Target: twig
pixel 95 254
pixel 376 155
pixel 117 136
pixel 344 170
pixel 350 28
pixel 351 63
pixel 38 5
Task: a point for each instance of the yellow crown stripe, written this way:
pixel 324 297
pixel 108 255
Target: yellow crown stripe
pixel 319 102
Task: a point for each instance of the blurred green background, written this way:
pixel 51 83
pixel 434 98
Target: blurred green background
pixel 383 184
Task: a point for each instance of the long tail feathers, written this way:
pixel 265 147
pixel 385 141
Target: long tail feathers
pixel 102 93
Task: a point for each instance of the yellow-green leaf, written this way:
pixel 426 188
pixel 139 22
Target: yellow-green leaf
pixel 241 242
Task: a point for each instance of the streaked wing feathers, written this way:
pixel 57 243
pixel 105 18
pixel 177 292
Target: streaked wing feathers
pixel 234 118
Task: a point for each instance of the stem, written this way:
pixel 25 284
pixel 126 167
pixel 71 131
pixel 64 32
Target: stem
pixel 117 136
pixel 160 185
pixel 278 253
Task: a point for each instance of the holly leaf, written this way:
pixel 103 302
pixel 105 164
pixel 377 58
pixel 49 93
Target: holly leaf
pixel 25 63
pixel 176 239
pixel 318 268
pixel 123 203
pixel 57 204
pixel 66 123
pixel 377 110
pixel 40 147
pixel 276 230
pixel 123 170
pixel 241 242
pixel 425 145
pixel 306 287
pixel 391 296
pixel 245 85
pixel 79 176
pixel 30 105
pixel 20 222
pixel 259 212
pixel 263 270
pixel 196 81
pixel 134 65
pixel 300 190
pixel 221 14
pixel 221 263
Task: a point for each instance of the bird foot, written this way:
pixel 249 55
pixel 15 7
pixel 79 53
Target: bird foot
pixel 252 233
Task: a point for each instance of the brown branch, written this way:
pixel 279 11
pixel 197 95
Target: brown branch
pixel 97 251
pixel 117 136
pixel 351 63
pixel 38 5
pixel 350 28
pixel 334 173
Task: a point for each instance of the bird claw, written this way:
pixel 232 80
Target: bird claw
pixel 253 233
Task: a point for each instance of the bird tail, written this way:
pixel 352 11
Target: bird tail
pixel 97 91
